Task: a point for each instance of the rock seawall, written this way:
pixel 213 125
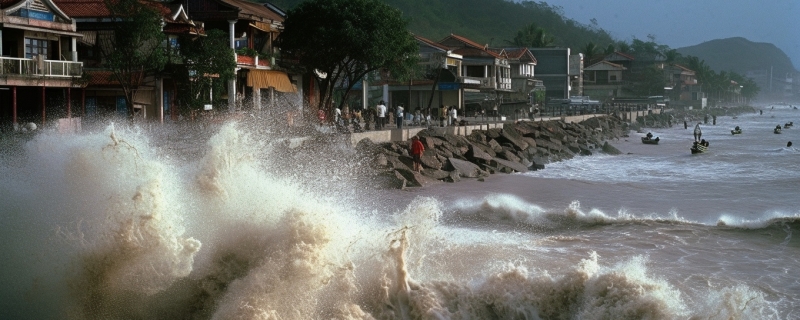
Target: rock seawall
pixel 517 147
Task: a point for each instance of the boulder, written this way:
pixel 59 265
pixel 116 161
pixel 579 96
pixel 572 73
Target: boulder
pixel 476 154
pixel 415 179
pixel 496 147
pixel 435 174
pixel 609 149
pixel 511 135
pixel 429 160
pixel 465 168
pixel 509 166
pixel 509 155
pixel 453 177
pixel 401 162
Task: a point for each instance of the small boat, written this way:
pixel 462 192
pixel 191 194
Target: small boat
pixel 736 131
pixel 788 125
pixel 647 140
pixel 777 130
pixel 699 148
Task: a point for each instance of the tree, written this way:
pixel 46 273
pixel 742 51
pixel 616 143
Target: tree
pixel 610 49
pixel 532 36
pixel 341 41
pixel 208 64
pixel 134 49
pixel 648 82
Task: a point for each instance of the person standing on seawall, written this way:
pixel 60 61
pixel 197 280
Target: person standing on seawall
pixel 400 117
pixel 381 112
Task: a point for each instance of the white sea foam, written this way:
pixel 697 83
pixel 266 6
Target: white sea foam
pixel 130 224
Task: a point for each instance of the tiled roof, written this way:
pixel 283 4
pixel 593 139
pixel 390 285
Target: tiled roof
pixel 463 40
pixel 623 54
pixel 7 3
pixel 522 54
pixel 98 9
pixel 682 67
pixel 256 11
pixel 476 52
pixel 431 43
pixel 613 65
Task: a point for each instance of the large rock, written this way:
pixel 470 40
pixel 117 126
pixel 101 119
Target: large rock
pixel 465 168
pixel 435 174
pixel 429 160
pixel 509 166
pixel 510 134
pixel 430 142
pixel 415 179
pixel 609 149
pixel 476 153
pixel 508 154
pixel 496 147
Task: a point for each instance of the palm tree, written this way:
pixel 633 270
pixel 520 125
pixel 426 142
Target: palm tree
pixel 610 49
pixel 532 36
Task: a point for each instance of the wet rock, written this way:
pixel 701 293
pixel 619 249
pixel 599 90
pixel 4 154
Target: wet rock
pixel 465 168
pixel 509 166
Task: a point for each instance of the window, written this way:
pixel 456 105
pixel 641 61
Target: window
pixel 34 47
pixel 613 77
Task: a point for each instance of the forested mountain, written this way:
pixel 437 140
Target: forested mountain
pixel 493 22
pixel 740 55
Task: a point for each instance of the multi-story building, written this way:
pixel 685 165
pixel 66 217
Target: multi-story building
pixel 486 72
pixel 39 67
pixel 440 84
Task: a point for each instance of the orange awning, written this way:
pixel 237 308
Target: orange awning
pixel 279 80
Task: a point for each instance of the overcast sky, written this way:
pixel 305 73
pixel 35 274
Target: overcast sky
pixel 681 23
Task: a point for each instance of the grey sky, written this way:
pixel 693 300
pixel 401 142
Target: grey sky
pixel 681 23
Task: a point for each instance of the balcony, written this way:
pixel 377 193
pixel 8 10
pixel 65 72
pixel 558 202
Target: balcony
pixel 36 67
pixel 251 61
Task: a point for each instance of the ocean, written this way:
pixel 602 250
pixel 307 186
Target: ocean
pixel 133 223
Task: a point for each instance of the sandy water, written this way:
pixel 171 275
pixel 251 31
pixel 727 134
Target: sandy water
pixel 117 224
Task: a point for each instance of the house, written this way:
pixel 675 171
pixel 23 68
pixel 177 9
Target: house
pixel 440 85
pixel 154 97
pixel 253 29
pixel 603 80
pixel 523 81
pixel 39 67
pixel 486 72
pixel 682 87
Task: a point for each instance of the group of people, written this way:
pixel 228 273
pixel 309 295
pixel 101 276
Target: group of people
pixel 381 115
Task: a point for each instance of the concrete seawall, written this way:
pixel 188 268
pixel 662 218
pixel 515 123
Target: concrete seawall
pixel 404 134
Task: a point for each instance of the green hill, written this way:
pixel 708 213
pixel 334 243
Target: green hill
pixel 492 22
pixel 740 55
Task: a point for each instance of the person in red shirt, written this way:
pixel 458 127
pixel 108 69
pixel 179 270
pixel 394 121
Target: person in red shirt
pixel 416 152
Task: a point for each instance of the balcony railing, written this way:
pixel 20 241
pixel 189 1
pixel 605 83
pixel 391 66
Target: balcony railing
pixel 35 67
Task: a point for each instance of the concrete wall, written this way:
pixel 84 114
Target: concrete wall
pixel 405 134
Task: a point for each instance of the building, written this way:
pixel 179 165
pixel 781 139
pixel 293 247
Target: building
pixel 104 96
pixel 440 85
pixel 253 29
pixel 553 69
pixel 41 76
pixel 485 73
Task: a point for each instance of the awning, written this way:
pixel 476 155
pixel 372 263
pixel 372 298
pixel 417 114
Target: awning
pixel 279 80
pixel 266 27
pixel 89 37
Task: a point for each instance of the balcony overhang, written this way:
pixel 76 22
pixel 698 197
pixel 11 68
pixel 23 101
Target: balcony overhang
pixel 44 30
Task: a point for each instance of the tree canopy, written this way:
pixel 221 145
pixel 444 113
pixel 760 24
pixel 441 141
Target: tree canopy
pixel 341 41
pixel 207 65
pixel 533 36
pixel 135 48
